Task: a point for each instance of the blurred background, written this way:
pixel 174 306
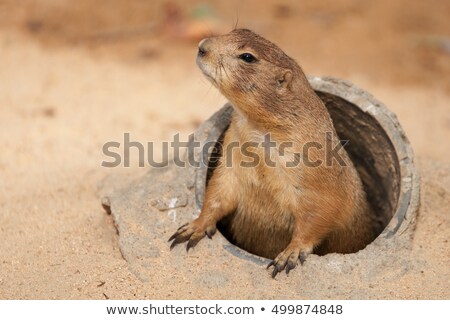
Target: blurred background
pixel 76 74
pixel 403 42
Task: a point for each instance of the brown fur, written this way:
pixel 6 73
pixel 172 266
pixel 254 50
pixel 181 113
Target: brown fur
pixel 283 213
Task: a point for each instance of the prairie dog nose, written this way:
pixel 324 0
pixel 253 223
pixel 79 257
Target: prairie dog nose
pixel 203 47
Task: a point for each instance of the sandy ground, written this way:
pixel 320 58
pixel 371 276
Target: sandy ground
pixel 62 97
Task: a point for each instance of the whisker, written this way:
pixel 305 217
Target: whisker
pixel 237 19
pixel 225 70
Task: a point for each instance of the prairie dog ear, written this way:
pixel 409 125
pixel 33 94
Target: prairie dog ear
pixel 285 79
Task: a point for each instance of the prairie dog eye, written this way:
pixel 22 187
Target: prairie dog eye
pixel 247 57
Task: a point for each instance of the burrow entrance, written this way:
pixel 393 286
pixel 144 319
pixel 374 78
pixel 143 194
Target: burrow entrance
pixel 371 150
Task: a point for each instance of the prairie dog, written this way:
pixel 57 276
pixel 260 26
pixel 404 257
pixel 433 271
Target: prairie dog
pixel 281 212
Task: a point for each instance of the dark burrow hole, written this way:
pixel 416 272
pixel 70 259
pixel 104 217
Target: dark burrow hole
pixel 369 148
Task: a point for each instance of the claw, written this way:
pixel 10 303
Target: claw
pixel 177 233
pixel 184 225
pixel 290 265
pixel 275 271
pixel 302 258
pixel 173 236
pixel 173 244
pixel 209 233
pixel 179 239
pixel 277 268
pixel 192 243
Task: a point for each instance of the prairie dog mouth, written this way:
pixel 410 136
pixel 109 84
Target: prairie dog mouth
pixel 206 69
pixel 204 61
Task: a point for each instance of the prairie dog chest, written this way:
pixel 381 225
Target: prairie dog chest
pixel 259 167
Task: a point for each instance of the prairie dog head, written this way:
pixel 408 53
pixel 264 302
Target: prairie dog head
pixel 250 71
